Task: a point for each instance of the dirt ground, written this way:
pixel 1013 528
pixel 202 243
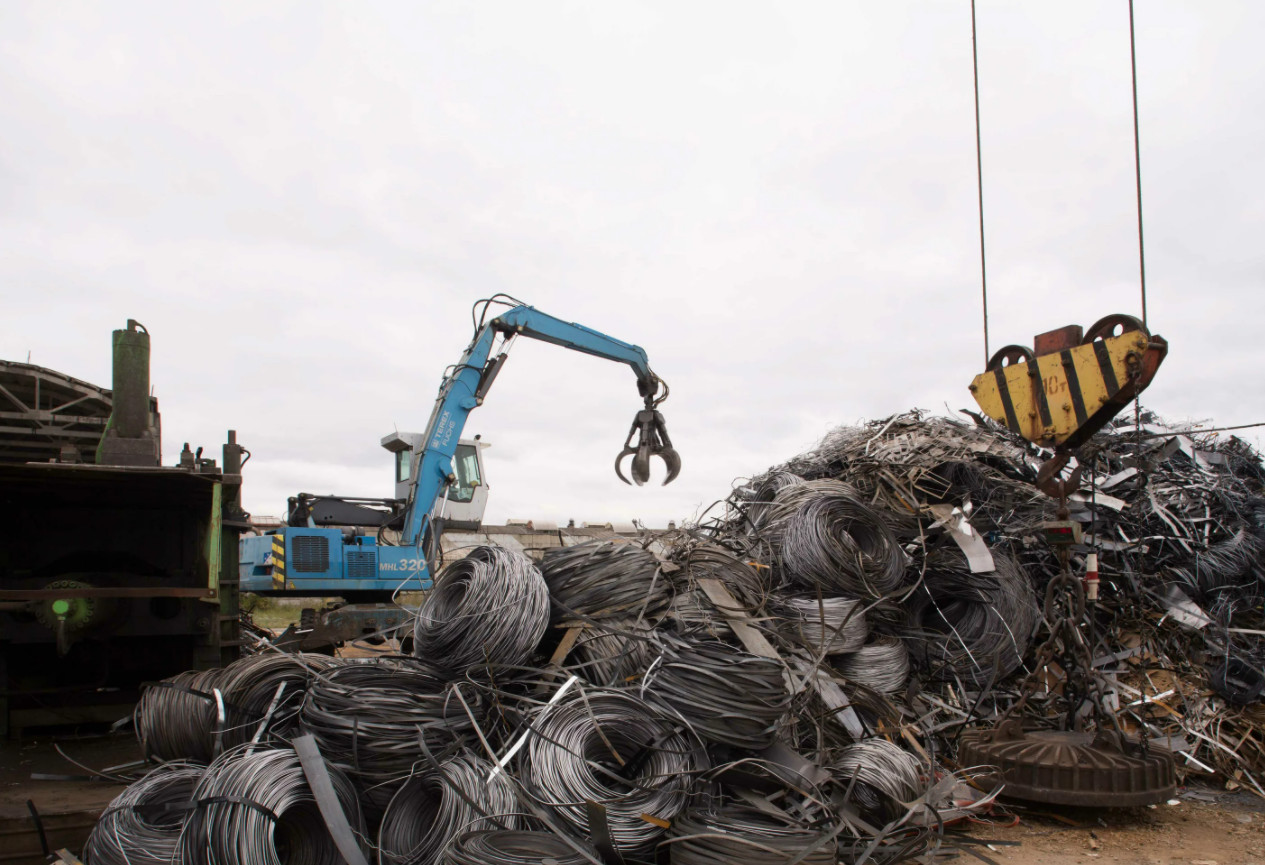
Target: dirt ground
pixel 1204 827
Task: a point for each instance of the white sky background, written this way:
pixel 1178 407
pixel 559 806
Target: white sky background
pixel 301 201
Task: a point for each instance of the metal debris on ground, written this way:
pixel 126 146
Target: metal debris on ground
pixel 794 678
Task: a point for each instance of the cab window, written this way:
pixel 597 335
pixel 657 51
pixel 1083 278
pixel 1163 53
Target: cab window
pixel 466 467
pixel 403 465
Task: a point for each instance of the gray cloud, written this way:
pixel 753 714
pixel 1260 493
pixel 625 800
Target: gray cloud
pixel 302 200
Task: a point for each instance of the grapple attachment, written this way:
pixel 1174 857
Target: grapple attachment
pixel 648 438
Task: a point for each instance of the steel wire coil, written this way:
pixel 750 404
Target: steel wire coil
pixel 254 807
pixel 745 581
pixel 434 807
pixel 494 847
pixel 250 685
pixel 142 825
pixel 491 607
pixel 737 833
pixel 978 626
pixel 604 579
pixel 366 718
pixel 829 539
pixel 611 748
pixel 830 626
pixel 614 655
pixel 176 719
pixel 762 494
pixel 882 665
pixel 728 696
pixel 879 767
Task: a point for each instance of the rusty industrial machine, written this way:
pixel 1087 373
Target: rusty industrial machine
pixel 115 570
pixel 1069 386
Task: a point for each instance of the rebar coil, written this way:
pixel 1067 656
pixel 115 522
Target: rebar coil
pixel 491 607
pixel 728 696
pixel 611 748
pixel 256 808
pixel 830 539
pixel 428 811
pixel 831 626
pixel 737 833
pixel 603 580
pixel 142 825
pixel 366 718
pixel 494 847
pixel 882 665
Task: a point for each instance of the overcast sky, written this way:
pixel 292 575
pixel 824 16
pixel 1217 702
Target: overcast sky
pixel 301 201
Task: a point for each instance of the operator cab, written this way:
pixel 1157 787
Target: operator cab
pixel 467 498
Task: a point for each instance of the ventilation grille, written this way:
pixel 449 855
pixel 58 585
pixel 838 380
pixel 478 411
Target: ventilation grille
pixel 362 564
pixel 309 554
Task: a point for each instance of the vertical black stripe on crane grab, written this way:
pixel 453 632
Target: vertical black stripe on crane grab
pixel 1003 390
pixel 1074 386
pixel 1104 365
pixel 1043 402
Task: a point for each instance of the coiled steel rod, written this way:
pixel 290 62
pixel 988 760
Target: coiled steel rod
pixel 611 748
pixel 435 806
pixel 491 607
pixel 142 825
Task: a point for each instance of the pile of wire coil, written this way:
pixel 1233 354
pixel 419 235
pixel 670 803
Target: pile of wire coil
pixel 142 825
pixel 432 808
pixel 610 748
pixel 491 607
pixel 729 696
pixel 257 807
pixel 605 579
pixel 495 847
pixel 741 833
pixel 367 719
pixel 829 626
pixel 977 626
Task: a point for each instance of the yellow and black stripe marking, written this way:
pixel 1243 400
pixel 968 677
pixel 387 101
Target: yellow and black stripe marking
pixel 278 562
pixel 1050 398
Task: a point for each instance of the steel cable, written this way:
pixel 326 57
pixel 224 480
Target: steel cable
pixel 605 579
pixel 367 718
pixel 728 696
pixel 256 808
pixel 142 825
pixel 739 833
pixel 882 665
pixel 831 626
pixel 491 607
pixel 613 749
pixel 494 847
pixel 437 805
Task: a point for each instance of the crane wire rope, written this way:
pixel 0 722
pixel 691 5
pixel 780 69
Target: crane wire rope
pixel 979 180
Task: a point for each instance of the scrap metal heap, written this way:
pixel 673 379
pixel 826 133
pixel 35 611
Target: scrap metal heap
pixel 790 680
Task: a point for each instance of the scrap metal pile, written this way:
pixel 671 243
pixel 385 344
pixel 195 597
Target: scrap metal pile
pixel 784 682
